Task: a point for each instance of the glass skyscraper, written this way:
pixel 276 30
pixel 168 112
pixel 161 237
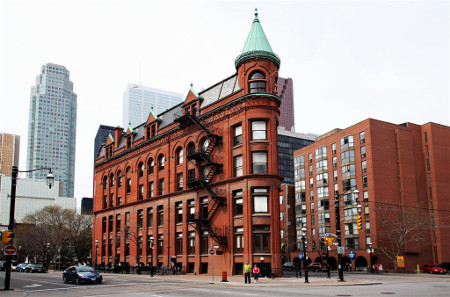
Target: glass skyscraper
pixel 138 101
pixel 52 126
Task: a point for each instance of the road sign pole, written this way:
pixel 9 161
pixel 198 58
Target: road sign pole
pixel 212 264
pixel 14 173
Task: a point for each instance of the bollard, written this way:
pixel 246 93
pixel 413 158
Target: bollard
pixel 224 277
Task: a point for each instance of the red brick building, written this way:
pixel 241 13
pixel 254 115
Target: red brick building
pixel 402 173
pixel 201 174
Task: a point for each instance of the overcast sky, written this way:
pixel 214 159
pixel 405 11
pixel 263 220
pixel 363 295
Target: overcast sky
pixel 350 60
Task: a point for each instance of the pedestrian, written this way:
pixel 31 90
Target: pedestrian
pixel 256 273
pixel 247 270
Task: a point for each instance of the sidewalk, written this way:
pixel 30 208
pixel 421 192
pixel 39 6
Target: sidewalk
pixel 237 280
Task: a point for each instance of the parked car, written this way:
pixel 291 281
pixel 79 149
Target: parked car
pixel 14 265
pixel 315 266
pixel 427 268
pixel 2 265
pixel 21 267
pixel 81 274
pixel 31 268
pixel 289 266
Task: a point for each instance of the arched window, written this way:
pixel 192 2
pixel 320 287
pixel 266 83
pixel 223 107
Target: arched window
pixel 105 182
pixel 191 148
pixel 257 82
pixel 205 145
pixel 128 181
pixel 111 180
pixel 161 162
pixel 150 165
pixel 119 179
pixel 141 169
pixel 179 156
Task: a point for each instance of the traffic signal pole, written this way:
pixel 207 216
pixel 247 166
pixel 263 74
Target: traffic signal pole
pixel 14 173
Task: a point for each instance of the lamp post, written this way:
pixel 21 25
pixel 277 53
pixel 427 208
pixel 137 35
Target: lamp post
pixel 371 259
pixel 151 256
pixel 340 249
pixel 96 249
pixel 305 256
pixel 46 255
pixel 14 172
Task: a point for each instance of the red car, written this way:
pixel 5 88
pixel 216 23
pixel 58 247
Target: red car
pixel 316 267
pixel 433 269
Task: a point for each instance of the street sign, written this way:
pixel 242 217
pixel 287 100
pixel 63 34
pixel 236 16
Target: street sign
pixel 340 250
pixel 10 250
pixel 300 256
pixel 212 252
pixel 216 246
pixel 351 255
pixel 400 261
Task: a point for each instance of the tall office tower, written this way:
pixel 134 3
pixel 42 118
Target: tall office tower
pixel 286 92
pixel 102 133
pixel 52 126
pixel 9 152
pixel 138 101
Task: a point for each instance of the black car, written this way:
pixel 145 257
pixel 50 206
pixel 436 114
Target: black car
pixel 81 274
pixel 35 268
pixel 289 266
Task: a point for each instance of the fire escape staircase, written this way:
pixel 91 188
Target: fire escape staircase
pixel 209 166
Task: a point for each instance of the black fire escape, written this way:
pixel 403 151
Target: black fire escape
pixel 207 166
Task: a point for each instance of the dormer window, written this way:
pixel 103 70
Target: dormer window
pixel 128 141
pixel 257 82
pixel 153 133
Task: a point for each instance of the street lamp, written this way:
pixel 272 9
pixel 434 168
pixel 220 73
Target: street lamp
pixel 305 256
pixel 46 255
pixel 14 172
pixel 96 249
pixel 340 249
pixel 371 259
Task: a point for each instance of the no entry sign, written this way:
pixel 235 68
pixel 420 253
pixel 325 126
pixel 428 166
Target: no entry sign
pixel 10 250
pixel 212 252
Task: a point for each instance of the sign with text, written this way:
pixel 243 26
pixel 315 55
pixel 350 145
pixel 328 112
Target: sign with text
pixel 400 261
pixel 10 250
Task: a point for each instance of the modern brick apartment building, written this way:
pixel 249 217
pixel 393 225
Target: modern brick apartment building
pixel 201 174
pixel 402 173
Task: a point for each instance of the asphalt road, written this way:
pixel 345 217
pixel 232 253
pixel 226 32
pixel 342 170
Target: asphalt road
pixel 51 284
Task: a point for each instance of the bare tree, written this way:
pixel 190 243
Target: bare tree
pixel 400 228
pixel 55 231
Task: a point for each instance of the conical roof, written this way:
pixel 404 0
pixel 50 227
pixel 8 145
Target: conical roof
pixel 257 45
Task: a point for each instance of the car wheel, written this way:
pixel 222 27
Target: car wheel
pixel 77 281
pixel 431 271
pixel 99 282
pixel 65 280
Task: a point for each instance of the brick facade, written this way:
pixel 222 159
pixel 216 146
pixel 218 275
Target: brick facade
pixel 203 173
pixel 396 168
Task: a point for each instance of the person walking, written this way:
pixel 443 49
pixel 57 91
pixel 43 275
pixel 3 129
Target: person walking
pixel 256 273
pixel 247 270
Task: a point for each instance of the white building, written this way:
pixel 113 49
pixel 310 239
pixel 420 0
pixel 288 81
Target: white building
pixel 31 195
pixel 138 101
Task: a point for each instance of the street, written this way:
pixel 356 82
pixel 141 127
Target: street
pixel 131 285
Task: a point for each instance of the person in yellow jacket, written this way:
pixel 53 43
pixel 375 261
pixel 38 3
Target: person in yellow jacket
pixel 247 270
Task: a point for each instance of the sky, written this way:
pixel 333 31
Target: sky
pixel 349 60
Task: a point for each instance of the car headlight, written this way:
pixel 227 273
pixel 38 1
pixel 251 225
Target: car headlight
pixel 80 275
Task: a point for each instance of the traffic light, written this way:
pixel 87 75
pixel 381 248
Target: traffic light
pixel 359 222
pixel 323 241
pixel 7 236
pixel 330 241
